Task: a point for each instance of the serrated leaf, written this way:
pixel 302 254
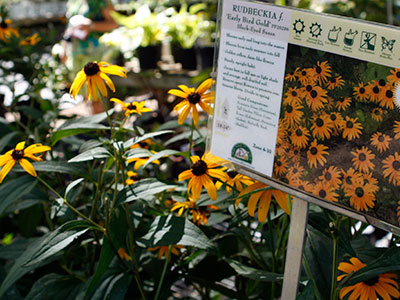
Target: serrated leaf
pixel 13 189
pixel 171 230
pixel 159 155
pixel 253 273
pixel 40 248
pixel 98 152
pixel 145 136
pixel 72 185
pixel 143 189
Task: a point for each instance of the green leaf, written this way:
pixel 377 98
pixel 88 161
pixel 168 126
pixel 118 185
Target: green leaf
pixel 43 250
pixel 143 137
pixel 253 273
pixel 75 129
pixel 113 287
pixel 13 189
pixel 138 152
pixel 5 140
pixel 56 286
pixel 171 230
pixel 87 120
pixel 307 293
pixel 98 152
pixel 72 185
pixel 143 189
pixel 56 166
pixel 160 155
pixel 90 144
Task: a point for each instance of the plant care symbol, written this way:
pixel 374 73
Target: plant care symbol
pixel 349 37
pixel 315 30
pixel 242 152
pixel 298 26
pixel 368 40
pixel 387 44
pixel 334 33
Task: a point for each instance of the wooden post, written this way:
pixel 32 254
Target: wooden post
pixel 294 254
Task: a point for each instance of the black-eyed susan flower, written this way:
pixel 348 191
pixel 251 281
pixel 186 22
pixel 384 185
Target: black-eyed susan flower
pixel 349 177
pixel 360 92
pixel 334 82
pixel 295 172
pixel 7 31
pixel 299 137
pixel 140 161
pixel 235 180
pixel 316 154
pixel 338 122
pixel 30 40
pixel 292 76
pixel 342 103
pixel 292 96
pixel 322 71
pixel 383 286
pixel 316 97
pixel 322 190
pixel 191 98
pixel 374 90
pixel 200 175
pixel 377 114
pixel 331 177
pixel 293 154
pixel 163 250
pixel 293 113
pixel 322 127
pixel 370 181
pixel 305 76
pixel 396 130
pixel 280 166
pixel 182 206
pixel 19 154
pixel 386 99
pixel 263 198
pixel 132 107
pixel 361 196
pixel 380 141
pixel 132 178
pixel 303 185
pixel 352 129
pixel 391 168
pixel 95 74
pixel 123 255
pixel 362 159
pixel 200 214
pixel 394 77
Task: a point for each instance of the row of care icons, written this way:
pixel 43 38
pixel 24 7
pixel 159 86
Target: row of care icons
pixel 368 40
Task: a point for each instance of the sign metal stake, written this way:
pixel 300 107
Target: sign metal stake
pixel 294 254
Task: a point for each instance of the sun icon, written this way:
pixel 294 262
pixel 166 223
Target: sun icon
pixel 298 26
pixel 315 30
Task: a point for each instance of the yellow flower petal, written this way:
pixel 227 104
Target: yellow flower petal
pixel 195 115
pixel 5 158
pixel 178 93
pixel 36 148
pixel 27 167
pixel 204 86
pixel 20 146
pixel 100 85
pixel 4 171
pixel 118 101
pixel 108 81
pixel 186 89
pixel 183 115
pixel 210 187
pixel 77 84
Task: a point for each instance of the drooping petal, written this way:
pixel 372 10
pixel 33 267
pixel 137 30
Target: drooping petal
pixel 344 291
pixel 27 167
pixel 185 89
pixel 263 206
pixel 251 206
pixel 118 101
pixel 36 148
pixel 5 158
pixel 182 117
pixel 185 175
pixel 205 107
pixel 210 187
pixel 108 81
pixel 4 171
pixel 382 292
pixel 112 69
pixel 178 93
pixel 196 186
pixel 77 83
pixel 195 115
pixel 282 199
pixel 100 84
pixel 204 86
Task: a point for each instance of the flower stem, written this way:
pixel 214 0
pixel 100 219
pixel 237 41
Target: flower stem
pixel 191 143
pixel 163 273
pixel 335 240
pixel 98 191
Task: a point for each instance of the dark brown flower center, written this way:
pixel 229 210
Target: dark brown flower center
pixel 91 69
pixel 377 112
pixel 295 151
pixel 333 80
pixel 294 93
pixel 135 177
pixel 199 168
pixel 375 89
pixel 398 74
pixel 371 281
pixel 308 87
pixel 333 117
pixel 232 174
pixel 143 145
pixel 389 94
pixel 359 192
pixel 328 176
pixel 348 180
pixel 362 90
pixel 279 163
pixel 396 165
pixel 194 98
pixel 362 157
pixel 314 93
pixel 304 73
pixel 349 124
pixel 319 122
pixel 289 108
pixel 299 132
pixel 322 193
pixel 3 24
pixel 17 154
pixel 341 99
pixel 131 106
pixel 381 138
pixel 313 150
pixel 291 73
pixel 382 82
pixel 295 171
pixel 318 69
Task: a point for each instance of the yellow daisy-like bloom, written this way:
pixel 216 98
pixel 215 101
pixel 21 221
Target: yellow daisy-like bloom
pixel 236 180
pixel 360 92
pixel 322 71
pixel 6 31
pixel 292 96
pixel 362 159
pixel 199 175
pixel 30 40
pixel 381 141
pixel 18 154
pixel 263 198
pixel 343 103
pixel 306 76
pixel 387 99
pixel 316 154
pixel 132 177
pixel 140 161
pixel 292 75
pixel 331 177
pixel 334 82
pixel 191 98
pixel 163 250
pixel 352 129
pixel 394 76
pixel 295 172
pixel 377 114
pixel 132 107
pixel 391 166
pixel 181 206
pixel 361 196
pixel 325 191
pixel 383 285
pixel 396 130
pixel 95 74
pixel 374 90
